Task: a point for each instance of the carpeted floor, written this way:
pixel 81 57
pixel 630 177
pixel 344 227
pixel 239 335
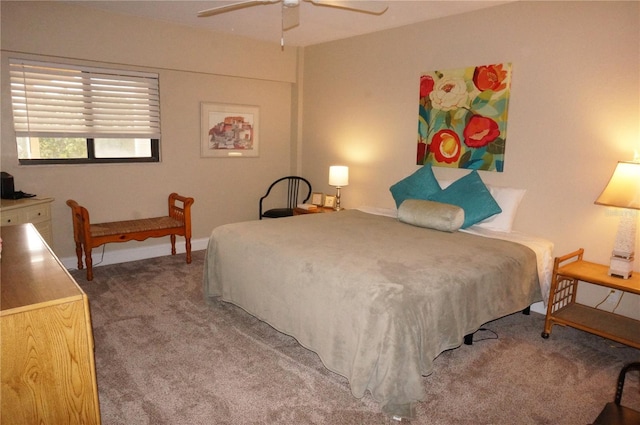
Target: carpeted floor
pixel 164 355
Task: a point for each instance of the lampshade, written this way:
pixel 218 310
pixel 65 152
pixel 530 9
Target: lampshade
pixel 338 175
pixel 623 189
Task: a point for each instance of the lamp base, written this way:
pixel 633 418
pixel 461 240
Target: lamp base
pixel 624 247
pixel 621 266
pixel 337 207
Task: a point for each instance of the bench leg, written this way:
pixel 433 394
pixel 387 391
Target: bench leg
pixel 173 244
pixel 79 255
pixel 89 261
pixel 188 249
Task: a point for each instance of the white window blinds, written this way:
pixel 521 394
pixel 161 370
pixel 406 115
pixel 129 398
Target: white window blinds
pixel 54 100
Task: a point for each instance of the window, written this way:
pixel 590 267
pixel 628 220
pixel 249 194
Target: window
pixel 74 114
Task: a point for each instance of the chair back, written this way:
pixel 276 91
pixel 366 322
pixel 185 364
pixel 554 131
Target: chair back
pixel 623 373
pixel 614 413
pixel 298 191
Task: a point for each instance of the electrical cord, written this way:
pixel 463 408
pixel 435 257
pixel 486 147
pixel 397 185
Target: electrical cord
pixel 495 335
pixel 607 297
pixel 618 303
pixel 101 258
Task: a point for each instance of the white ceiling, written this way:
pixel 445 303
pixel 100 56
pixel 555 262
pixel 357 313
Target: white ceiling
pixel 318 24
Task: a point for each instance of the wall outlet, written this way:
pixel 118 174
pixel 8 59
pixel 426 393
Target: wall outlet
pixel 613 297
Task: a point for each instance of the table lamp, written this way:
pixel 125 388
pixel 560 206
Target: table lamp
pixel 623 191
pixel 338 177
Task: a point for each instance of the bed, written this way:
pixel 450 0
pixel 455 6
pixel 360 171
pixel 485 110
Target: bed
pixel 376 298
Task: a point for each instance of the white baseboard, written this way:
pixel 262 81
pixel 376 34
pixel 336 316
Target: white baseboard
pixel 133 254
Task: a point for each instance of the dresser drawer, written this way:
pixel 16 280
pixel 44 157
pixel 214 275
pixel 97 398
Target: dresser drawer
pixel 37 213
pixel 10 218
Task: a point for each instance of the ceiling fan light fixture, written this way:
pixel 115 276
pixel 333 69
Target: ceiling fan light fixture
pixel 290 12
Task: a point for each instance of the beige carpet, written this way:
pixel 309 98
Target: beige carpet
pixel 166 356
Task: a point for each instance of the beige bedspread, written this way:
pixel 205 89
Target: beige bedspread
pixel 375 298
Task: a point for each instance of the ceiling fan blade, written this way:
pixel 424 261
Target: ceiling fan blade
pixel 233 6
pixel 371 7
pixel 290 17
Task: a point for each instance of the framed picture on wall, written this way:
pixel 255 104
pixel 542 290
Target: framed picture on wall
pixel 228 130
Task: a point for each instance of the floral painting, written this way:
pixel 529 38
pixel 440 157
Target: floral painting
pixel 462 121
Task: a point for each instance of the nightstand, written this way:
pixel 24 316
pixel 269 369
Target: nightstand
pixel 302 211
pixel 563 309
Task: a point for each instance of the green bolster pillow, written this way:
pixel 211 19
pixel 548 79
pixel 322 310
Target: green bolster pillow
pixel 432 215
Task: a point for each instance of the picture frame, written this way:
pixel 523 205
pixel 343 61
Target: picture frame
pixel 229 130
pixel 329 201
pixel 317 198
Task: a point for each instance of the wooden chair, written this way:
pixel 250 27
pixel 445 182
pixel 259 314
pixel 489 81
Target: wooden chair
pixel 295 191
pixel 614 413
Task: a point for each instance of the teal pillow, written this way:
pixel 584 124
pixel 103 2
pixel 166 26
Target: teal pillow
pixel 470 194
pixel 419 185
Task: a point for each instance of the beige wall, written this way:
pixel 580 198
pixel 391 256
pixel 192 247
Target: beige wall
pixel 194 66
pixel 574 109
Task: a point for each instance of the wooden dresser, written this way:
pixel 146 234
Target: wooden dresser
pixel 48 369
pixel 28 210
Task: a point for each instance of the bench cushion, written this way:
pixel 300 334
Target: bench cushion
pixel 134 226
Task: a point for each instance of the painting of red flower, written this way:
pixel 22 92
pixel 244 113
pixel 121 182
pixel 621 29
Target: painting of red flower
pixel 462 119
pixel 490 77
pixel 446 146
pixel 480 131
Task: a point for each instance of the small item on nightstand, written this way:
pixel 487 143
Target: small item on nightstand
pixel 8 190
pixel 7 185
pixel 308 207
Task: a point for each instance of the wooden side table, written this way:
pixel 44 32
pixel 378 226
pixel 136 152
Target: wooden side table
pixel 302 211
pixel 563 309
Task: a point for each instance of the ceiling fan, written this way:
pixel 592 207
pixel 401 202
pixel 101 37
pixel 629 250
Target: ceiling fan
pixel 290 10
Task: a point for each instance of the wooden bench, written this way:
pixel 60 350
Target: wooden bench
pixel 88 236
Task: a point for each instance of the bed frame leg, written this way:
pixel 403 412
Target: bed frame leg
pixel 527 311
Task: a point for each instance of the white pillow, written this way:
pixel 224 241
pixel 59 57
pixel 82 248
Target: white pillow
pixel 508 198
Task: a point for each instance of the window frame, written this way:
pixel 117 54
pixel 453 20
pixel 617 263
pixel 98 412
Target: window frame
pixel 123 96
pixel 91 158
